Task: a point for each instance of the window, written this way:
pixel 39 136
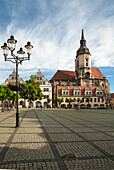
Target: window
pixel 37 78
pixel 76 90
pixel 40 78
pixel 77 64
pixel 43 83
pixel 90 99
pixel 12 78
pixel 46 96
pixel 94 99
pixel 102 99
pixel 98 99
pixel 99 90
pixel 88 90
pixel 86 61
pixel 65 90
pixel 46 89
pixel 83 99
pixel 78 99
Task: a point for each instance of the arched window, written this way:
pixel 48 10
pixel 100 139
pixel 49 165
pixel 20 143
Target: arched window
pixel 77 91
pixel 99 91
pixel 88 91
pixel 65 91
pixel 86 62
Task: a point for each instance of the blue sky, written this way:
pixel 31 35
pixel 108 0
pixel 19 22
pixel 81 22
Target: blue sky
pixel 54 29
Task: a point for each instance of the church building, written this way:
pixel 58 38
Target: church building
pixel 84 83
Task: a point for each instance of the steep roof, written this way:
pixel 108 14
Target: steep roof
pixel 70 75
pixel 96 73
pixel 64 75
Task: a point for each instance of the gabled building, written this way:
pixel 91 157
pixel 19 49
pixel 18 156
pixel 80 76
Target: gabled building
pixel 46 88
pixel 84 78
pixel 12 78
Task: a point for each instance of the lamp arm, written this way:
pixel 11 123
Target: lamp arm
pixel 10 60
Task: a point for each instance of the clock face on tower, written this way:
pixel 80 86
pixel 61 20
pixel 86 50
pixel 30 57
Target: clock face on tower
pixel 87 74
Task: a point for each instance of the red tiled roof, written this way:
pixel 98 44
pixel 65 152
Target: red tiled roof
pixel 82 90
pixel 96 73
pixel 112 95
pixel 70 75
pixel 64 75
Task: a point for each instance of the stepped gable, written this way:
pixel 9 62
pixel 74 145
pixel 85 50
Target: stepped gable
pixel 64 75
pixel 97 73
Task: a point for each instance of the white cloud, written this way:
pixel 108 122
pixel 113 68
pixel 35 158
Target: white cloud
pixel 57 38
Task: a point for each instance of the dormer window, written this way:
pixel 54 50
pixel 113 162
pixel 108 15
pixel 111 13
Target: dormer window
pixel 76 91
pixel 65 91
pixel 99 91
pixel 88 91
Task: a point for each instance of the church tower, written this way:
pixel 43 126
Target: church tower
pixel 83 64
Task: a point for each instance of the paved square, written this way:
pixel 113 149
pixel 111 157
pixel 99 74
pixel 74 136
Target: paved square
pixel 56 139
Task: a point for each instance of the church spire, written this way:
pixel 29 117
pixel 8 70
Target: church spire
pixel 82 34
pixel 82 41
pixel 83 48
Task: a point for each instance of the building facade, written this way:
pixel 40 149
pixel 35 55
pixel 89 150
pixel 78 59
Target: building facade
pixel 46 88
pixel 83 77
pixel 84 96
pixel 12 78
pixel 112 100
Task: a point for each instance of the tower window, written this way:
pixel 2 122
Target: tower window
pixel 77 64
pixel 86 61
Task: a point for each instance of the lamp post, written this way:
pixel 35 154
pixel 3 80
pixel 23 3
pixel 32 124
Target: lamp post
pixel 17 59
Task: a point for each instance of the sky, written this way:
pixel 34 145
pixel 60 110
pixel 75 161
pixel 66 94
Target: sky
pixel 54 29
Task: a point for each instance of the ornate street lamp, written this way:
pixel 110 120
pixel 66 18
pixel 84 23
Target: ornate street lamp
pixel 17 59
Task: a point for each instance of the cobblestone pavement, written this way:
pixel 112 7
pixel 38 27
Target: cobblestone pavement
pixel 57 140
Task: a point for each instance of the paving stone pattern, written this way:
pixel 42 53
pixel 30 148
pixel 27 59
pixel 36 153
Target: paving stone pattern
pixel 57 140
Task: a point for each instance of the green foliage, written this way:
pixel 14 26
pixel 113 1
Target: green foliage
pixel 87 100
pixel 6 94
pixel 59 100
pixel 70 100
pixel 3 93
pixel 81 101
pixel 49 100
pixel 32 89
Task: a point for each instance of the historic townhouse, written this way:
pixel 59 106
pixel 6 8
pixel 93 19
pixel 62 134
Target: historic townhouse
pixel 84 83
pixel 12 78
pixel 46 88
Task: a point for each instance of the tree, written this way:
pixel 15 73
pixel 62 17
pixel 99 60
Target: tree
pixel 59 100
pixel 70 101
pixel 32 90
pixel 49 100
pixel 79 101
pixel 88 100
pixel 3 95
